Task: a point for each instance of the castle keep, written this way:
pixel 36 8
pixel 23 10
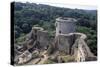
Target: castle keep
pixel 65 25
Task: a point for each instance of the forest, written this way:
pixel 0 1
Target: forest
pixel 27 15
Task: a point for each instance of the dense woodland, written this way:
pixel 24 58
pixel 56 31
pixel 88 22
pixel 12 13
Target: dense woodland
pixel 27 15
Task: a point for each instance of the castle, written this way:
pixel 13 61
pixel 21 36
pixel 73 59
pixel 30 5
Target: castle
pixel 66 41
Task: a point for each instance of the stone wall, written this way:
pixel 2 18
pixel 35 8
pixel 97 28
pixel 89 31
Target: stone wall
pixel 74 44
pixel 64 42
pixel 40 36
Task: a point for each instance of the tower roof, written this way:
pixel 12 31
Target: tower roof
pixel 65 19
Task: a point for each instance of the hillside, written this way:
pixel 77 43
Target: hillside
pixel 27 15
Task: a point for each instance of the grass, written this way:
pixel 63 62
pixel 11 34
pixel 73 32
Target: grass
pixel 49 62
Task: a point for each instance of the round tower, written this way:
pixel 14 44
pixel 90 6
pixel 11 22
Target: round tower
pixel 65 25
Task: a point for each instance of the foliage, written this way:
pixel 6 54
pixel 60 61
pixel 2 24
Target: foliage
pixel 91 37
pixel 21 39
pixel 27 15
pixel 68 58
pixel 49 62
pixel 50 50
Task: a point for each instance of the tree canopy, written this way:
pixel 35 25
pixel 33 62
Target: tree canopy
pixel 27 15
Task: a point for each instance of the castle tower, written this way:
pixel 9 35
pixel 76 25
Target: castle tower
pixel 65 25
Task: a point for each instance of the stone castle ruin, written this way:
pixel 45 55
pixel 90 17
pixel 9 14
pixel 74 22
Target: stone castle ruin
pixel 38 47
pixel 69 41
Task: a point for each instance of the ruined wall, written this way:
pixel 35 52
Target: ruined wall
pixel 74 44
pixel 40 36
pixel 43 38
pixel 36 40
pixel 64 42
